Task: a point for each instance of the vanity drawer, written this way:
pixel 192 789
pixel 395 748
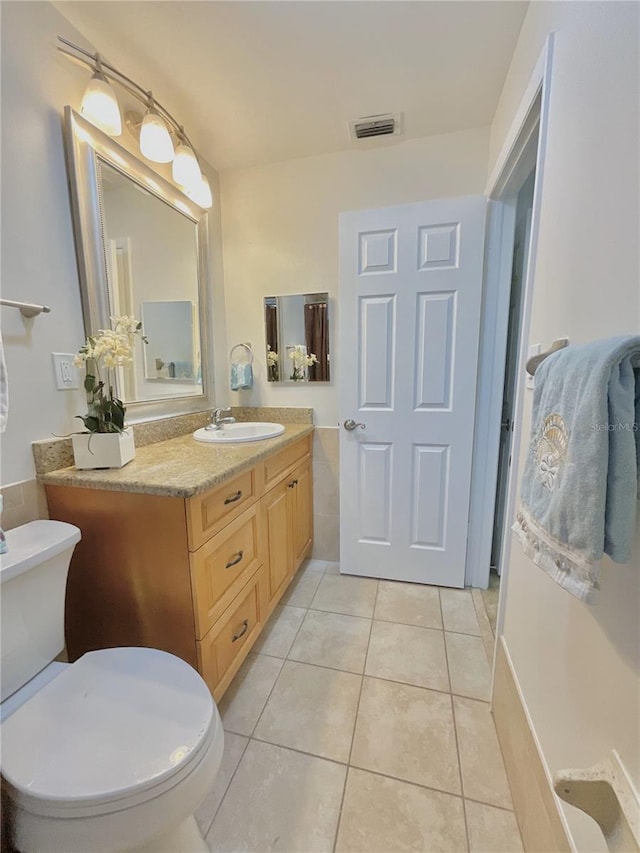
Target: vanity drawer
pixel 276 466
pixel 227 644
pixel 221 567
pixel 208 513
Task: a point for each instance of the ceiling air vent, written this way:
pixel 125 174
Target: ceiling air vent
pixel 370 127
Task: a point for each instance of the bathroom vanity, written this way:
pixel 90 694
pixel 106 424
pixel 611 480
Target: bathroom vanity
pixel 188 548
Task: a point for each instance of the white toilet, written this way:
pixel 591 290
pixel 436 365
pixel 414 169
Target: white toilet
pixel 111 753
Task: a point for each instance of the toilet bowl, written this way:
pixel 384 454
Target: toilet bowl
pixel 111 753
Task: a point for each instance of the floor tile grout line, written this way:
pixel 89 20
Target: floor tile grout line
pixel 284 660
pixel 489 805
pixel 377 678
pixel 386 621
pixel 364 667
pixel 233 776
pixel 355 722
pixel 255 726
pixel 455 732
pixel 299 751
pixel 460 796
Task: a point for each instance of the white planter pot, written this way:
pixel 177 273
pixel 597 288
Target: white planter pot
pixel 103 449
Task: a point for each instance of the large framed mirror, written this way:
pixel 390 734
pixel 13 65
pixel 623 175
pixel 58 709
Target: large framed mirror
pixel 297 337
pixel 142 250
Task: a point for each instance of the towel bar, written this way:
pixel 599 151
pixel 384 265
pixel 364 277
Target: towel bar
pixel 248 349
pixel 27 309
pixel 536 360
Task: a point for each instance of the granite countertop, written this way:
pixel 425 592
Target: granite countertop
pixel 180 467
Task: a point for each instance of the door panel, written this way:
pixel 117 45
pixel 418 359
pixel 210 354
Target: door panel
pixel 429 495
pixel 376 331
pixel 434 350
pixel 278 538
pixel 302 517
pixel 410 299
pixel 374 491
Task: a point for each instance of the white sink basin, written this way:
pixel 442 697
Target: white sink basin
pixel 232 433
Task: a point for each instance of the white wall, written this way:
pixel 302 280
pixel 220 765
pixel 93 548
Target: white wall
pixel 38 258
pixel 280 233
pixel 578 665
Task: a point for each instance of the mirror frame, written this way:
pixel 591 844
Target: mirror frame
pixel 85 144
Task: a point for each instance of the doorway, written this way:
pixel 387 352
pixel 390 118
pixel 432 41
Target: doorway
pixel 521 244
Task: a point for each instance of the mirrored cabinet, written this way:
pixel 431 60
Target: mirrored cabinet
pixel 297 337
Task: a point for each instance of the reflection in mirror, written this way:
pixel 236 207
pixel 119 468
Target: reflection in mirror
pixel 152 274
pixel 297 335
pixel 142 249
pixel 170 355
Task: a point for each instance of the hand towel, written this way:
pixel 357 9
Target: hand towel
pixel 4 391
pixel 241 376
pixel 580 485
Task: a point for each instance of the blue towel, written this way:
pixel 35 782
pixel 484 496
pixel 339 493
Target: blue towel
pixel 580 483
pixel 241 376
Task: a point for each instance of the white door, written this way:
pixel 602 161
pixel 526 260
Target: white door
pixel 410 301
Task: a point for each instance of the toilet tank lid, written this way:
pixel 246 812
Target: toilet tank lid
pixel 33 543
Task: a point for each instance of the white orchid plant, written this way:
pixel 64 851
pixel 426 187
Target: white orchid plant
pixel 273 366
pixel 301 360
pixel 100 356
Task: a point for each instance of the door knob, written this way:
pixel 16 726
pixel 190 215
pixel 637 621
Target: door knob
pixel 350 425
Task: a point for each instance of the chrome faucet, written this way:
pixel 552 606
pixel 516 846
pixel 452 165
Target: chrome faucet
pixel 216 421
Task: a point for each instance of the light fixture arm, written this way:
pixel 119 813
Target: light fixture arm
pixel 97 63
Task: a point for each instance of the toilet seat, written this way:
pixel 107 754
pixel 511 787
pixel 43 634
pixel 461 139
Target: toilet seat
pixel 117 728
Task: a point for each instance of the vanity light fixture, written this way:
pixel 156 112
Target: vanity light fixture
pixel 99 102
pixel 100 107
pixel 186 170
pixel 155 141
pixel 201 194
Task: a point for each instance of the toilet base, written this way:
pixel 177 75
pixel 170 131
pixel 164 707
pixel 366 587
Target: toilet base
pixel 185 838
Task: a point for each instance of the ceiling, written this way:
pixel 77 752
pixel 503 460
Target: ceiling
pixel 259 82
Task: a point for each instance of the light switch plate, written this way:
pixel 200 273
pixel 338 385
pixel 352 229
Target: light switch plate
pixel 65 371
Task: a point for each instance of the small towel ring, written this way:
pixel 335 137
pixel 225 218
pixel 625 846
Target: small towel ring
pixel 246 347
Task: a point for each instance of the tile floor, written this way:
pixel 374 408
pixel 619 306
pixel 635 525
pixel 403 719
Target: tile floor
pixel 360 723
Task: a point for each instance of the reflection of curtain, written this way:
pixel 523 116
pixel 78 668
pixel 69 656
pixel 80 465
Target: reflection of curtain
pixel 271 323
pixel 316 329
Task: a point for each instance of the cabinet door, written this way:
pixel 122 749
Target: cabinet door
pixel 277 528
pixel 302 513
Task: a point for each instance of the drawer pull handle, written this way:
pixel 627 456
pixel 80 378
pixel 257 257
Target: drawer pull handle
pixel 293 483
pixel 237 558
pixel 234 498
pixel 242 632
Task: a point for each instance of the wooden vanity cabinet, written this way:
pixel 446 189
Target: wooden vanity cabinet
pixel 288 523
pixel 197 577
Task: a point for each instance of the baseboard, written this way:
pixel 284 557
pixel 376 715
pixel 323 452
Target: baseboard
pixel 536 806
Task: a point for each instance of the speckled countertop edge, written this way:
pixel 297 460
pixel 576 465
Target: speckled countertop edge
pixel 180 467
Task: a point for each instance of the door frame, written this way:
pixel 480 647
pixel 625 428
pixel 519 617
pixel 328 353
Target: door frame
pixel 514 159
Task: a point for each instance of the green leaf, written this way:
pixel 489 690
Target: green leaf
pixel 90 383
pixel 92 424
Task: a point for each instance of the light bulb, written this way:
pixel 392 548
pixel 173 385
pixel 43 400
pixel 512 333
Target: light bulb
pixel 186 170
pixel 201 193
pixel 155 142
pixel 100 105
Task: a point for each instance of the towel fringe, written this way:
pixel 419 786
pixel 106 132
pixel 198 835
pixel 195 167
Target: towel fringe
pixel 580 578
